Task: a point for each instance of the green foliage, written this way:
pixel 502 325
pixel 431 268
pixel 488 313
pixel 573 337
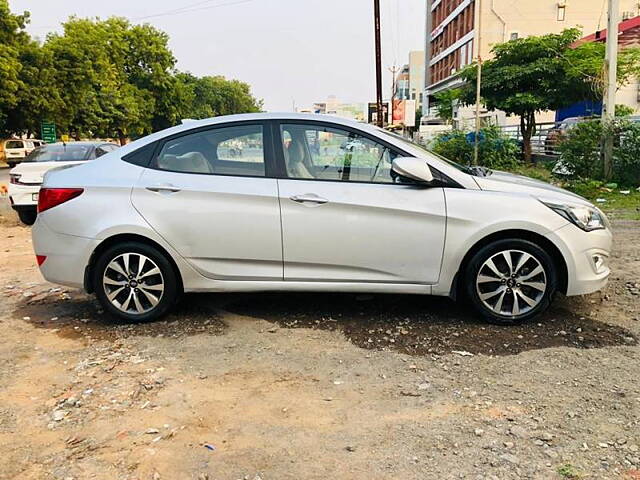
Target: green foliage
pixel 495 150
pixel 586 63
pixel 569 471
pixel 537 171
pixel 445 100
pixel 526 76
pixel 624 110
pixel 12 40
pixel 626 154
pixel 580 151
pixel 213 96
pixel 106 78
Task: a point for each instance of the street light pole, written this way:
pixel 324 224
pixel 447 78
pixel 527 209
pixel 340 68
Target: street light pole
pixel 393 71
pixel 478 42
pixel 376 19
pixel 611 70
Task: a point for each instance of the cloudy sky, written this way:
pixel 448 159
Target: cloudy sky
pixel 288 50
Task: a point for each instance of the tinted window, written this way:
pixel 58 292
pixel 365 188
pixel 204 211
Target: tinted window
pixel 328 153
pixel 14 144
pixel 141 156
pixel 235 150
pixel 60 153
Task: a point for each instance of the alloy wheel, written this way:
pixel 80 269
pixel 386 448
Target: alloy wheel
pixel 133 283
pixel 511 283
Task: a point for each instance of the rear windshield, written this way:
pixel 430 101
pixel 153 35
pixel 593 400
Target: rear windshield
pixel 60 153
pixel 14 144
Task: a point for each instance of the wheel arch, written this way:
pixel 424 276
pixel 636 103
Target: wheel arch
pixel 120 238
pixel 517 234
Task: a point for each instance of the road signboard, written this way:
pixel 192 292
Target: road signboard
pixel 48 131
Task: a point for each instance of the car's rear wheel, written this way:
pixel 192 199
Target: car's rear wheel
pixel 135 282
pixel 11 164
pixel 511 281
pixel 28 217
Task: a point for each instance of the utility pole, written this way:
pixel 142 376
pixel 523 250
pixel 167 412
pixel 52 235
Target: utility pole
pixel 478 45
pixel 393 71
pixel 611 70
pixel 376 20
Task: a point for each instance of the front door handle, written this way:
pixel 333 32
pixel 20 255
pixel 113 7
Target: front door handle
pixel 309 197
pixel 163 188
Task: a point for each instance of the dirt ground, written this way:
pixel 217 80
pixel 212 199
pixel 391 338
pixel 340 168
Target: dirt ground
pixel 302 386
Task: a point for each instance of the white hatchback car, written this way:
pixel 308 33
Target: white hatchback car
pixel 178 211
pixel 26 178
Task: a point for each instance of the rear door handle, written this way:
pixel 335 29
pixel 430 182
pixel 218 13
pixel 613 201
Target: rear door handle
pixel 163 188
pixel 309 197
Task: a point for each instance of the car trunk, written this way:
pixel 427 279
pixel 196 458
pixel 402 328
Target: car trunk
pixel 33 172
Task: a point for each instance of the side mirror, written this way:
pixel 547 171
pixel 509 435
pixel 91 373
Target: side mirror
pixel 413 168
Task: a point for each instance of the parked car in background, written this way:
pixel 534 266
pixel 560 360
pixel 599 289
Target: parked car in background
pixel 176 212
pixel 26 178
pixel 559 132
pixel 15 150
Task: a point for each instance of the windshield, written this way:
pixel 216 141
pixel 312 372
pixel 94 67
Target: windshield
pixel 455 165
pixel 14 144
pixel 60 153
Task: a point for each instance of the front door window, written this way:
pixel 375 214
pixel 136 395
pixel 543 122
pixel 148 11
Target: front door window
pixel 314 152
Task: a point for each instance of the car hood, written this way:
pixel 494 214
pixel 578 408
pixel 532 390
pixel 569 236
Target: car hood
pixel 499 181
pixel 33 172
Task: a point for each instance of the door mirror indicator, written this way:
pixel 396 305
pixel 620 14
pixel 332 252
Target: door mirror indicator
pixel 416 169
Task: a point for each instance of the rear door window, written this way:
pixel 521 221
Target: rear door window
pixel 233 150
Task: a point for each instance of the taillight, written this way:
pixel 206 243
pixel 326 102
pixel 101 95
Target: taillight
pixel 14 178
pixel 40 259
pixel 50 197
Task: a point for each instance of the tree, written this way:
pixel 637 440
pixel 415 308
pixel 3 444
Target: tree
pixel 444 107
pixel 12 38
pixel 106 78
pixel 526 76
pixel 106 74
pixel 38 98
pixel 214 96
pixel 587 62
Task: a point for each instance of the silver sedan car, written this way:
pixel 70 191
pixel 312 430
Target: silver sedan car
pixel 266 202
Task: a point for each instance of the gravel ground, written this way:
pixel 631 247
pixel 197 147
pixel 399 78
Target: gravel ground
pixel 302 386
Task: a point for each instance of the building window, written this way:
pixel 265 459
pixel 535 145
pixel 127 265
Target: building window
pixel 561 12
pixel 513 36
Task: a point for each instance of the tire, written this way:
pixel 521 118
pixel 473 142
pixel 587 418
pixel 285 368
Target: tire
pixel 520 291
pixel 141 296
pixel 28 217
pixel 11 164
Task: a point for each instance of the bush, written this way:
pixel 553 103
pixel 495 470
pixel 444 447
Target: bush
pixel 626 156
pixel 495 150
pixel 580 151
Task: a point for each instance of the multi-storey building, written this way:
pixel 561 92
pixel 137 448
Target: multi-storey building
pixel 452 30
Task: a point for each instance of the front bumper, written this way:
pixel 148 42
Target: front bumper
pixel 587 257
pixel 67 255
pixel 23 194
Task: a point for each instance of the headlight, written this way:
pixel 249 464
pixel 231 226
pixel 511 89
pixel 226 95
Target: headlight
pixel 586 217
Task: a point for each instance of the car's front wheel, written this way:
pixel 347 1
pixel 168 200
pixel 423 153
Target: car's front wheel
pixel 135 282
pixel 511 281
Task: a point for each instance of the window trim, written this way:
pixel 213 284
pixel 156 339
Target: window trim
pixel 443 182
pixel 267 140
